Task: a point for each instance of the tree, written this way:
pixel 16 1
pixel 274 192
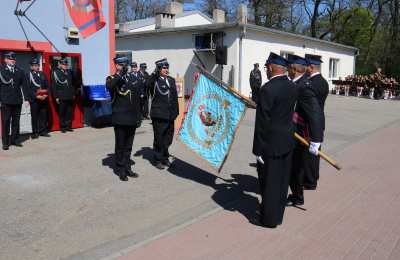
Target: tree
pixel 128 10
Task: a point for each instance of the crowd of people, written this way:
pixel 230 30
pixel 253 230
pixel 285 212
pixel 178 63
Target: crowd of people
pixel 374 86
pixel 128 91
pixel 17 86
pixel 291 101
pixel 130 87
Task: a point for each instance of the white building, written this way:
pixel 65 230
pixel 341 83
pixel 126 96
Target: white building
pixel 188 37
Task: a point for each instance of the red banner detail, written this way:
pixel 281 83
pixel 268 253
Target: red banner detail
pixel 87 15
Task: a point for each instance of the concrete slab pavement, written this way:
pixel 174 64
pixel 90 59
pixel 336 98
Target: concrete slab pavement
pixel 352 215
pixel 61 200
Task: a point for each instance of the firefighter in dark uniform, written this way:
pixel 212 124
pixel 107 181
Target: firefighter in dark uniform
pixel 321 87
pixel 164 110
pixel 64 93
pixel 38 100
pixel 255 82
pixel 126 115
pixel 134 70
pixel 145 76
pixel 308 119
pixel 12 87
pixel 273 142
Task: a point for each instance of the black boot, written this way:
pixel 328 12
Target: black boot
pixel 122 175
pixel 131 173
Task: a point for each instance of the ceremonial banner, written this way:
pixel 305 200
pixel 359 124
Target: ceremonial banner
pixel 212 118
pixel 87 15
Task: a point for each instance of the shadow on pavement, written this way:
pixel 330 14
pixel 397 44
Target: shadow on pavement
pixel 147 154
pixel 230 194
pixel 110 162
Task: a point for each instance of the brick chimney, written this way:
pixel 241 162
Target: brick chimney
pixel 165 20
pixel 218 16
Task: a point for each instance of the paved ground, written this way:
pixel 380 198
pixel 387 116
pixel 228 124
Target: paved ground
pixel 60 199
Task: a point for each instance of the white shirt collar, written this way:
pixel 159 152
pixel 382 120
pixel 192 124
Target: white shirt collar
pixel 10 68
pixel 298 77
pixel 315 74
pixel 280 75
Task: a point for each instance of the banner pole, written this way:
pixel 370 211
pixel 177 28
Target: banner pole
pixel 250 103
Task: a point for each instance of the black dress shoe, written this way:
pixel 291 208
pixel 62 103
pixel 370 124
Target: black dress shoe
pixel 294 201
pixel 6 147
pixel 123 177
pixel 310 187
pixel 45 135
pixel 160 166
pixel 70 129
pixel 166 163
pixel 131 173
pixel 35 136
pixel 269 226
pixel 63 131
pixel 17 144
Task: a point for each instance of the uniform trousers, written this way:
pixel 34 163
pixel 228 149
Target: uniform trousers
pixel 39 116
pixel 274 183
pixel 145 108
pixel 297 172
pixel 163 135
pixel 65 114
pixel 311 169
pixel 10 116
pixel 124 136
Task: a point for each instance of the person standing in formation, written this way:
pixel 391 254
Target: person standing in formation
pixel 255 82
pixel 38 99
pixel 145 76
pixel 12 85
pixel 273 142
pixel 308 119
pixel 164 111
pixel 64 93
pixel 321 90
pixel 126 115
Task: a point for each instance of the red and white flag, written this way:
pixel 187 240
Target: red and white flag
pixel 87 15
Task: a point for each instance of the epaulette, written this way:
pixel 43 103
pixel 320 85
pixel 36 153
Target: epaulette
pixel 109 78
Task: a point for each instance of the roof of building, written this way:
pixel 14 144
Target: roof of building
pixel 136 24
pixel 221 26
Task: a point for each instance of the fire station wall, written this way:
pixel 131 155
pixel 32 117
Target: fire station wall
pixel 52 17
pixel 258 45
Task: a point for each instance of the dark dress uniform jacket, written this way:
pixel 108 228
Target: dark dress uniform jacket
pixel 144 76
pixel 164 104
pixel 126 94
pixel 321 87
pixel 309 110
pixel 274 128
pixel 40 79
pixel 12 85
pixel 62 87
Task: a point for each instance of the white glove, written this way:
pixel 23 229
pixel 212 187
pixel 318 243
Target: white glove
pixel 314 148
pixel 260 160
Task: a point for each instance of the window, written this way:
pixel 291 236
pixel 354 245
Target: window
pixel 285 54
pixel 208 41
pixel 127 54
pixel 333 68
